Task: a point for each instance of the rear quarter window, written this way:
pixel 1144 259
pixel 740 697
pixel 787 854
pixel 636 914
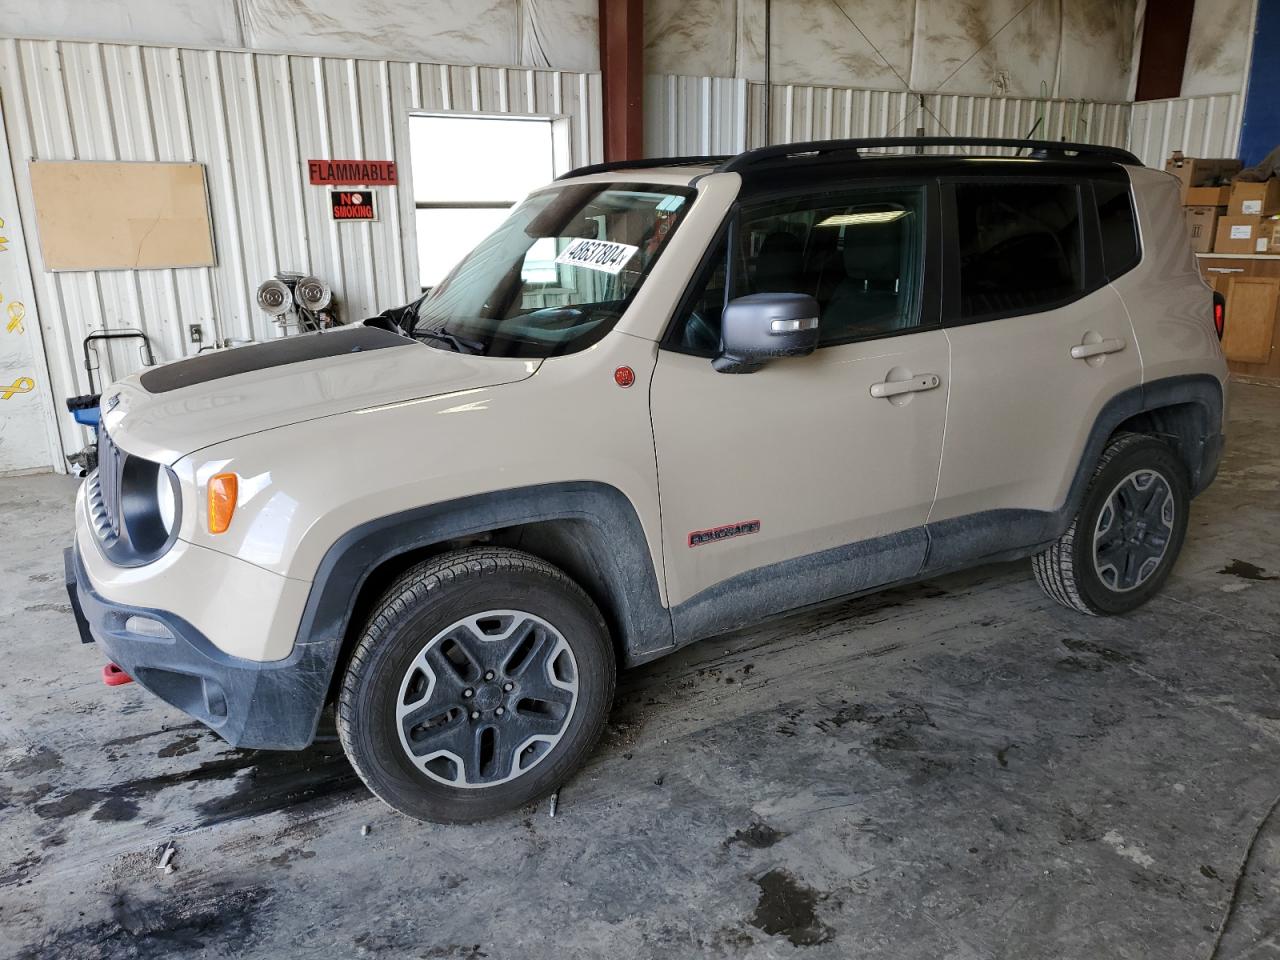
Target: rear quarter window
pixel 1116 221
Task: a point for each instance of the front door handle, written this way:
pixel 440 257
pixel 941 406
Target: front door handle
pixel 894 388
pixel 1083 351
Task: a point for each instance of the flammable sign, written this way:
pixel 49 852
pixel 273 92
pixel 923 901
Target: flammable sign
pixel 359 204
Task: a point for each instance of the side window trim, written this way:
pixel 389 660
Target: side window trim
pixel 929 303
pixel 1093 277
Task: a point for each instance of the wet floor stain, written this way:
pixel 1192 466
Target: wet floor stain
pixel 1098 650
pixel 844 715
pixel 789 908
pixel 290 854
pixel 264 782
pixel 34 760
pixel 758 836
pixel 184 924
pixel 18 871
pixel 139 737
pixel 281 780
pixel 1246 571
pixel 116 810
pixel 48 608
pixel 11 797
pixel 181 747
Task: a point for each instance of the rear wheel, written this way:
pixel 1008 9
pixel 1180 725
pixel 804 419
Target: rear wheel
pixel 1121 546
pixel 481 682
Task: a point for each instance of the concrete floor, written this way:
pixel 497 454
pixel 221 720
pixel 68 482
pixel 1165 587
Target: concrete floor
pixel 955 769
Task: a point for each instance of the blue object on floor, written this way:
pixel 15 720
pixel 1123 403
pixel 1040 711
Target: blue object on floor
pixel 86 410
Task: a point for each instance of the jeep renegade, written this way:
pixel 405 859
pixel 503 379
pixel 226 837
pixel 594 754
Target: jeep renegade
pixel 664 400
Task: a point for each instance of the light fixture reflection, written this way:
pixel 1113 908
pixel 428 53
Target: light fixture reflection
pixel 862 217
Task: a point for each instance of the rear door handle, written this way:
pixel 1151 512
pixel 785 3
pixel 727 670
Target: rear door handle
pixel 894 388
pixel 1083 351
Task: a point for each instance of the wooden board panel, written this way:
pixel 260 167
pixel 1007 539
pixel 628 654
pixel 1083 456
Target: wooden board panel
pixel 1251 318
pixel 121 216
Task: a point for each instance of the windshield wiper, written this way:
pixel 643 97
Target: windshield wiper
pixel 456 343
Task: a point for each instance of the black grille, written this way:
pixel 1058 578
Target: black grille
pixel 104 490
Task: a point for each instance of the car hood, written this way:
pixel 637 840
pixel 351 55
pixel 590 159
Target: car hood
pixel 168 412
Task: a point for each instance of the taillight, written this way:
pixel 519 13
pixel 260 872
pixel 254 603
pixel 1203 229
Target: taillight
pixel 1219 313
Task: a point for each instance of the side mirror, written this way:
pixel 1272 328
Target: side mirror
pixel 764 326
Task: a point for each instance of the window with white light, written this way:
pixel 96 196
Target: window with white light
pixel 468 172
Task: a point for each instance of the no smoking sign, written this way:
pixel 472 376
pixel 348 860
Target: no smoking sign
pixel 353 204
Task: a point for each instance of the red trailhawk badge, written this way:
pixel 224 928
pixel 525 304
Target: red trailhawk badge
pixel 699 537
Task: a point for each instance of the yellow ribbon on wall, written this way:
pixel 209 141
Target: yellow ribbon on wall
pixel 21 385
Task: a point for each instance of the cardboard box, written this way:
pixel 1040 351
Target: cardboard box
pixel 1207 196
pixel 1201 225
pixel 1201 172
pixel 1270 231
pixel 1240 235
pixel 1255 199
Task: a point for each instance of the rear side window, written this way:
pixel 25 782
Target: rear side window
pixel 1020 247
pixel 1120 250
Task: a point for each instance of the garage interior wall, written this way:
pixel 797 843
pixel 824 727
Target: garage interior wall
pixel 724 115
pixel 692 115
pixel 254 120
pixel 1055 48
pixel 560 34
pixel 938 67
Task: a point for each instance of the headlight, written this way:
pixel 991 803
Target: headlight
pixel 149 506
pixel 166 503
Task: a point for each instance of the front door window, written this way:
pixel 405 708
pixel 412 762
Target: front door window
pixel 858 253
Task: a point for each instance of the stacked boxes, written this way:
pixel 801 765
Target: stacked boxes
pixel 1199 172
pixel 1225 215
pixel 1248 226
pixel 1205 194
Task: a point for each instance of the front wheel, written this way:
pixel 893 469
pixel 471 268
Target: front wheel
pixel 482 680
pixel 1121 546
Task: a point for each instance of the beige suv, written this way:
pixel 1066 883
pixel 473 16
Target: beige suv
pixel 664 400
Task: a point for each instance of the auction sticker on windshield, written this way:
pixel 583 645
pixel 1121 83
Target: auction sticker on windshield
pixel 604 255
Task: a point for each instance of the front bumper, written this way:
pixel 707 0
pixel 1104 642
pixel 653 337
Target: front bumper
pixel 272 705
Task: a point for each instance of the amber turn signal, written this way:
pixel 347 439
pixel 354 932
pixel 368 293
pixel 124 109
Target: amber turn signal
pixel 222 501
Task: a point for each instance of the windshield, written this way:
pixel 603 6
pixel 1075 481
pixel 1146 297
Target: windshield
pixel 557 275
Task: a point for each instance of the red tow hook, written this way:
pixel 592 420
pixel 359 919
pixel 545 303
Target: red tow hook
pixel 113 676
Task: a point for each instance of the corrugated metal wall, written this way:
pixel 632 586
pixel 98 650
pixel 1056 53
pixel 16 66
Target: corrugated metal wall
pixel 1198 126
pixel 694 116
pixel 691 115
pixel 254 120
pixel 820 113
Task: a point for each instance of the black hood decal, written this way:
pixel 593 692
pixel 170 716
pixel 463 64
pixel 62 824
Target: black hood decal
pixel 262 356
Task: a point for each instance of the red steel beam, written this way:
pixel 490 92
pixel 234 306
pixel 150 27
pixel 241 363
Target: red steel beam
pixel 622 75
pixel 1163 55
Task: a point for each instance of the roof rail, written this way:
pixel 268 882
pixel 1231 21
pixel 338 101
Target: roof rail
pixel 785 151
pixel 644 164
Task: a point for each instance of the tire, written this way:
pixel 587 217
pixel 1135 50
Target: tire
pixel 1134 470
pixel 487 633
